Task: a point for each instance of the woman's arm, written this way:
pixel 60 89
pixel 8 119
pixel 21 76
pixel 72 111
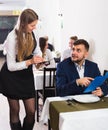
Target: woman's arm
pixel 11 52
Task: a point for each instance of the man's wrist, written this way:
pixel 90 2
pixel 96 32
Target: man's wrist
pixel 77 82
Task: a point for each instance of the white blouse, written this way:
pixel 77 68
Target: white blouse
pixel 49 57
pixel 67 53
pixel 10 50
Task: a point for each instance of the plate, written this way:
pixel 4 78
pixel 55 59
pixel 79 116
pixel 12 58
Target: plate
pixel 86 98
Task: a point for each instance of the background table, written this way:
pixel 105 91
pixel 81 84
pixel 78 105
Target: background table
pixel 38 78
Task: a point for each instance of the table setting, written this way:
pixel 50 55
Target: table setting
pixel 60 110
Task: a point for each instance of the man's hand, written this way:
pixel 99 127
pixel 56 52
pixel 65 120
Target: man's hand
pixel 84 81
pixel 98 92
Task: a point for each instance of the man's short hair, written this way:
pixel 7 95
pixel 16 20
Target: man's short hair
pixel 82 42
pixel 74 38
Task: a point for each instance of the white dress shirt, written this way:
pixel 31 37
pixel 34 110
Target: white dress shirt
pixel 67 53
pixel 80 69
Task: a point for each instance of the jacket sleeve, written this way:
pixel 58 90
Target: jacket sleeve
pixel 65 86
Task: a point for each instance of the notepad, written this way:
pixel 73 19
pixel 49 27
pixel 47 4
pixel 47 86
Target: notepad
pixel 98 81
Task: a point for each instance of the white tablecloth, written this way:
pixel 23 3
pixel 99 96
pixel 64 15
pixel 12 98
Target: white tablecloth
pixel 45 111
pixel 38 79
pixel 87 120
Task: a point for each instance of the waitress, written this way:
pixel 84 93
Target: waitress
pixel 16 73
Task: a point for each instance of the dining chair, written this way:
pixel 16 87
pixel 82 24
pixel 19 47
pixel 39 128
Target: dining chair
pixel 49 87
pixel 104 72
pixel 106 81
pixel 57 60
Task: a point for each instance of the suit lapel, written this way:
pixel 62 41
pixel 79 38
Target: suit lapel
pixel 72 69
pixel 87 69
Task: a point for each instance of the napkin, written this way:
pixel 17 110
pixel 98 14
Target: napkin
pixel 98 81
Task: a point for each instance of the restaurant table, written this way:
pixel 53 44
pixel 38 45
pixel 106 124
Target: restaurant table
pixel 38 82
pixel 77 116
pixel 38 78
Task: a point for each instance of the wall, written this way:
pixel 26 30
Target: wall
pixel 12 4
pixel 87 19
pixel 49 23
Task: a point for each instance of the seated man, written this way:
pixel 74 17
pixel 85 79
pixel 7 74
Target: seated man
pixel 76 72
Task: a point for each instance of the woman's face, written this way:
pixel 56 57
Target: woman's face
pixel 31 26
pixel 46 46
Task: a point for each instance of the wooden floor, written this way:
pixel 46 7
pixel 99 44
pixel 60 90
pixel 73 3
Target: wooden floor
pixel 4 112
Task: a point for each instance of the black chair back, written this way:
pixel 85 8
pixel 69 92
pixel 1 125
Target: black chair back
pixel 49 83
pixel 106 81
pixel 105 72
pixel 49 87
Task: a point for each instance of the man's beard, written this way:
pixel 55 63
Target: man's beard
pixel 79 61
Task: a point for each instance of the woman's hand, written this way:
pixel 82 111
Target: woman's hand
pixel 34 60
pixel 98 92
pixel 37 59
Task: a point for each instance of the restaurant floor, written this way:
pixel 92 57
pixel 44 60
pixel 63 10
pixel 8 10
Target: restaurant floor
pixel 4 112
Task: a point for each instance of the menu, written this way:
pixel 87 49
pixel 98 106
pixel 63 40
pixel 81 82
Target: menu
pixel 97 82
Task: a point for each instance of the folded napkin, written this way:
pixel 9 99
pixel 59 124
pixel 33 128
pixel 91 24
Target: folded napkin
pixel 98 81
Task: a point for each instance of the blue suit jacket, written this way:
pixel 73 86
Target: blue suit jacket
pixel 67 74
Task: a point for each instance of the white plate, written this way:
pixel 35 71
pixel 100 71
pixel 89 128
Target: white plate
pixel 86 98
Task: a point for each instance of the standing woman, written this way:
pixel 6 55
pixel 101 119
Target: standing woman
pixel 16 73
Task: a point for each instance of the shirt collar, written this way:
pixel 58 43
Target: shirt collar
pixel 80 67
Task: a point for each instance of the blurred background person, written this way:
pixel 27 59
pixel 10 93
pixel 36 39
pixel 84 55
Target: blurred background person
pixel 50 46
pixel 46 53
pixel 67 52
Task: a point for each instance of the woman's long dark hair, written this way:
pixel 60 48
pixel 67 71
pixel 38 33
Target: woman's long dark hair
pixel 42 43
